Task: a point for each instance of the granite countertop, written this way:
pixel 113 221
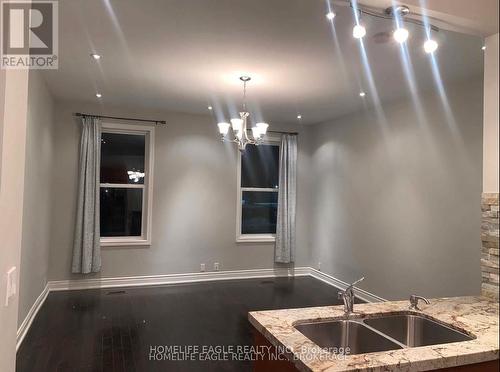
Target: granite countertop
pixel 477 316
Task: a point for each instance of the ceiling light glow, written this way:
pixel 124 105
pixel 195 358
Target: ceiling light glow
pixel 430 46
pixel 362 94
pixel 95 56
pixel 401 35
pixel 299 116
pixel 358 31
pixel 330 15
pixel 210 108
pixel 483 47
pixel 98 95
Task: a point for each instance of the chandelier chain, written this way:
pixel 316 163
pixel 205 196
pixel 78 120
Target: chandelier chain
pixel 244 95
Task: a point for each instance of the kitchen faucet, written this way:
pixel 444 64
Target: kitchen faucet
pixel 414 302
pixel 347 296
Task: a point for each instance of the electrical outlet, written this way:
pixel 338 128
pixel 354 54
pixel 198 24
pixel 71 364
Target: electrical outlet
pixel 202 267
pixel 11 289
pixel 216 266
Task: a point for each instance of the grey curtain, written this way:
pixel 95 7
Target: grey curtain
pixel 287 200
pixel 86 249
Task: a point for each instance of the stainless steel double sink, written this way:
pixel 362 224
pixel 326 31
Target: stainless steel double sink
pixel 380 333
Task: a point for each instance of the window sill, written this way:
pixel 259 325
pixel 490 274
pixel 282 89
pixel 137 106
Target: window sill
pixel 255 239
pixel 124 242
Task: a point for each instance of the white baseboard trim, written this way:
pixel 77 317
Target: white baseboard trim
pixel 133 281
pixel 360 293
pixel 151 280
pixel 26 324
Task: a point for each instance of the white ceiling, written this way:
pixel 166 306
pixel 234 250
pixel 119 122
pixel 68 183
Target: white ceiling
pixel 184 55
pixel 477 17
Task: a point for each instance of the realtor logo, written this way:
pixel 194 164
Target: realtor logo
pixel 29 34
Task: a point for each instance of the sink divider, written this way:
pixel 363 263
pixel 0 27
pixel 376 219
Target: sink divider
pixel 362 322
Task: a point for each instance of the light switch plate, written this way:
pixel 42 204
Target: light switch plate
pixel 11 289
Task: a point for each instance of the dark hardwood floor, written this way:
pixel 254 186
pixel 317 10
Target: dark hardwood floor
pixel 114 329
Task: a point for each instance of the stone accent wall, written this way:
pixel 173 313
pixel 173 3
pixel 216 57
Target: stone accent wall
pixel 489 246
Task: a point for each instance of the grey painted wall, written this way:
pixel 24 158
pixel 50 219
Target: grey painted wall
pixel 13 144
pixel 194 213
pixel 401 205
pixel 38 196
pixel 398 205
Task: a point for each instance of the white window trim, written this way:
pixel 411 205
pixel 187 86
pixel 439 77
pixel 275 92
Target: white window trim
pixel 270 139
pixel 147 196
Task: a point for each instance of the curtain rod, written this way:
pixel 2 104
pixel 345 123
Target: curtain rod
pixel 79 114
pixel 275 131
pixel 120 118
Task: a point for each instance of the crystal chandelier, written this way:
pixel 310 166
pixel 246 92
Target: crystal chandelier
pixel 239 126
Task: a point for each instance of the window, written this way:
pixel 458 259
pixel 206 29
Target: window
pixel 126 184
pixel 258 178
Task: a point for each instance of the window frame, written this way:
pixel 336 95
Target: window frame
pixel 270 139
pixel 147 188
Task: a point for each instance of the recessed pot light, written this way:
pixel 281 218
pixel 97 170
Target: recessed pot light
pixel 299 116
pixel 358 31
pixel 430 46
pixel 362 94
pixel 98 95
pixel 401 35
pixel 96 56
pixel 330 15
pixel 210 108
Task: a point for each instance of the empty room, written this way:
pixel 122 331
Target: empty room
pixel 249 185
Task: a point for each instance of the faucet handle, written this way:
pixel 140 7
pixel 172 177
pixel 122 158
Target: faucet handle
pixel 414 302
pixel 354 283
pixel 357 281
